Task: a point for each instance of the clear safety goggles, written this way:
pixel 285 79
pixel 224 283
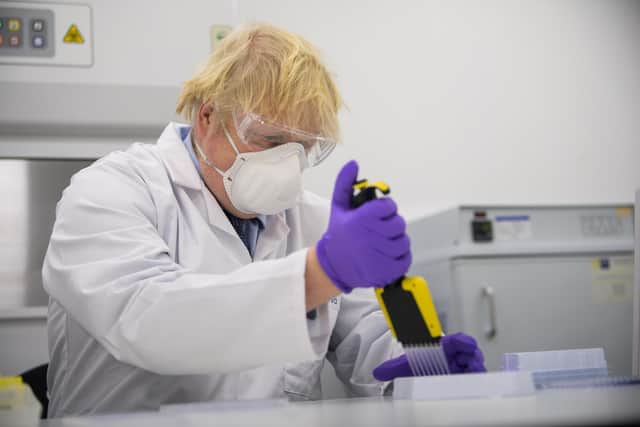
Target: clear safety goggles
pixel 261 134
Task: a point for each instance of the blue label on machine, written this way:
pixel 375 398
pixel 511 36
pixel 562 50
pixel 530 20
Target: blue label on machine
pixel 512 218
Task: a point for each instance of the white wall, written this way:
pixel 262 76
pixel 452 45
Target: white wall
pixel 481 101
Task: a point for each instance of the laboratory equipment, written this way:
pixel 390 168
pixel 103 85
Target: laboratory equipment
pixel 461 352
pixel 526 278
pixel 413 320
pixel 549 368
pixel 18 405
pixel 46 34
pixel 636 296
pixel 590 382
pixel 582 358
pixel 408 307
pixel 89 77
pixel 476 385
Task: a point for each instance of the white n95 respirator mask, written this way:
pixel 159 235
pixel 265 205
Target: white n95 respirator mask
pixel 263 182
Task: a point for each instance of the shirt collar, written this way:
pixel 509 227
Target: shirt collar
pixel 177 159
pixel 186 136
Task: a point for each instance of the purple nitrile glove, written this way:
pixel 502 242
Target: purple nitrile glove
pixel 461 350
pixel 366 246
pixel 463 354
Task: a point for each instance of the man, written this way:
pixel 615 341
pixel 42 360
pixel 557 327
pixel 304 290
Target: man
pixel 197 269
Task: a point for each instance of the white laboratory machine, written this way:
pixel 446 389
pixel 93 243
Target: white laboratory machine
pixel 636 296
pixel 532 278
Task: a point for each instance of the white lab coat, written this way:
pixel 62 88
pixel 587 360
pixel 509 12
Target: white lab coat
pixel 154 299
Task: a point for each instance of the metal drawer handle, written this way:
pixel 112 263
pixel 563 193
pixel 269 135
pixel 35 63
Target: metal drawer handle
pixel 489 293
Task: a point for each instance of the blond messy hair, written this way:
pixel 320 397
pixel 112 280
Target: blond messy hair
pixel 268 71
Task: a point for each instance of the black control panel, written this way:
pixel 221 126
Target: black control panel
pixel 481 227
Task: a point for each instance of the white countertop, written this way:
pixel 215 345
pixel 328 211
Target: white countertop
pixel 17 313
pixel 605 406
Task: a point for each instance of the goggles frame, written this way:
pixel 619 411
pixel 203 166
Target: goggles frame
pixel 259 133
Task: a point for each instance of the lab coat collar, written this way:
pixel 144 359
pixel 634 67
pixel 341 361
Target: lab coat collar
pixel 176 158
pixel 270 238
pixel 183 173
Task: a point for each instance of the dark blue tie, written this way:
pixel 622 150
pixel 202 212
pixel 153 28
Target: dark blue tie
pixel 240 225
pixel 247 230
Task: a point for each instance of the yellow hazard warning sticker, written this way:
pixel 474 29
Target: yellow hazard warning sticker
pixel 73 35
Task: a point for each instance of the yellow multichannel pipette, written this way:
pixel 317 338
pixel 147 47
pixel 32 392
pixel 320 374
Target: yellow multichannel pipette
pixel 408 307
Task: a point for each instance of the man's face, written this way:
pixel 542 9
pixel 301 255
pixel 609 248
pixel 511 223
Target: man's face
pixel 208 133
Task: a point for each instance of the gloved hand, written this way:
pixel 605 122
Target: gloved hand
pixel 461 350
pixel 366 246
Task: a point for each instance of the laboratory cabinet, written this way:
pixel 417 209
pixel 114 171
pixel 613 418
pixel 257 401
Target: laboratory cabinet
pixel 557 278
pixel 31 189
pixel 533 304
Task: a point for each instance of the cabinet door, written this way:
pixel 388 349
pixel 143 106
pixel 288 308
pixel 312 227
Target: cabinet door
pixel 23 343
pixel 535 304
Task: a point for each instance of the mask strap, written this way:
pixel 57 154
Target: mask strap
pixel 228 135
pixel 205 158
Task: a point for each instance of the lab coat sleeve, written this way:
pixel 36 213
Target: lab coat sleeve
pixel 361 340
pixel 107 265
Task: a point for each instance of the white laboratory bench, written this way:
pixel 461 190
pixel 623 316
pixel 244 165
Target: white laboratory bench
pixel 597 406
